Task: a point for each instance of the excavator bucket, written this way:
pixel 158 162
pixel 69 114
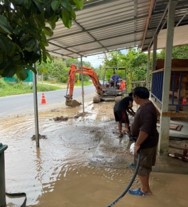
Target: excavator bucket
pixel 96 99
pixel 72 103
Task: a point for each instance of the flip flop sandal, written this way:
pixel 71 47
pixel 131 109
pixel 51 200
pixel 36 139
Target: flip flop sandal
pixel 137 192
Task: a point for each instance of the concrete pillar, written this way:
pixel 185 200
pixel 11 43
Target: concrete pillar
pixel 2 175
pixel 165 121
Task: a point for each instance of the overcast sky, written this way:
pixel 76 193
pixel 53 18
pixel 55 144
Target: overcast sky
pixel 95 60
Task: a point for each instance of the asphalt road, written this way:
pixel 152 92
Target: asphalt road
pixel 23 104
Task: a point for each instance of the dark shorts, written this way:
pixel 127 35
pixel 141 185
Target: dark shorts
pixel 121 117
pixel 147 160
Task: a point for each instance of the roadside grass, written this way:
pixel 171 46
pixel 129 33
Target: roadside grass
pixel 7 89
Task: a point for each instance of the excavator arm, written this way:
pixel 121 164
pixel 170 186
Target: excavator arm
pixel 71 81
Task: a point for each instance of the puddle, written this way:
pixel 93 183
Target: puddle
pixel 81 163
pixel 68 145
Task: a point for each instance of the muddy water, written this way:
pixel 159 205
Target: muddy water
pixel 81 163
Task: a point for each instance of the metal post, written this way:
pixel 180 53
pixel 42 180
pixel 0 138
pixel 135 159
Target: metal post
pixel 82 77
pixel 2 175
pixel 154 52
pixel 148 85
pixel 36 109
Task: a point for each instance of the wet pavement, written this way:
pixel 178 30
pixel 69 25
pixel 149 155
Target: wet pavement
pixel 82 163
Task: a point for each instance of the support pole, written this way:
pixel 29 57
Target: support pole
pixel 2 175
pixel 165 121
pixel 154 56
pixel 36 108
pixel 148 85
pixel 154 52
pixel 82 77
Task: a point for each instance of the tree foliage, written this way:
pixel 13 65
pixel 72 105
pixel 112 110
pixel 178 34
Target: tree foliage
pixel 24 28
pixel 131 66
pixel 57 69
pixel 178 52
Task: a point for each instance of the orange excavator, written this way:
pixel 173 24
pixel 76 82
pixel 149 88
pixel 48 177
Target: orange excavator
pixel 103 93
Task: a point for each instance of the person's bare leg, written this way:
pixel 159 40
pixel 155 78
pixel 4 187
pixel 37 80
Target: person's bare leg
pixel 127 128
pixel 120 129
pixel 145 184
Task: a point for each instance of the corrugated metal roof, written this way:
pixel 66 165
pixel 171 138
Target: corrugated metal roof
pixel 106 25
pixel 158 21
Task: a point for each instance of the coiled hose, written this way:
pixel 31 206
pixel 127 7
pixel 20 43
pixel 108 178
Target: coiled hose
pixel 130 183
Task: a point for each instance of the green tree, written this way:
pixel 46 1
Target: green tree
pixel 132 65
pixel 53 69
pixel 112 64
pixel 57 69
pixel 178 52
pixel 24 28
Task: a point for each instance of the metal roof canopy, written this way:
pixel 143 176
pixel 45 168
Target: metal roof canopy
pixel 107 25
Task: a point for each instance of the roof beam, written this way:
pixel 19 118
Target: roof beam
pixel 179 22
pixel 62 48
pixel 135 14
pixel 113 45
pixel 148 21
pixel 91 35
pixel 97 3
pixel 159 26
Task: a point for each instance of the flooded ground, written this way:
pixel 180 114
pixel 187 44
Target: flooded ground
pixel 81 163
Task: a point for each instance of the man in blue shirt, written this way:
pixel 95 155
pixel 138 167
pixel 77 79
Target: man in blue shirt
pixel 114 79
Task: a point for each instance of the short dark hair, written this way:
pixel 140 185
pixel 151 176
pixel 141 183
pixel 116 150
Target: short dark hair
pixel 141 92
pixel 130 94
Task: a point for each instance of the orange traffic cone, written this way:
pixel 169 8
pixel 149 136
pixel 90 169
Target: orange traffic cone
pixel 43 99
